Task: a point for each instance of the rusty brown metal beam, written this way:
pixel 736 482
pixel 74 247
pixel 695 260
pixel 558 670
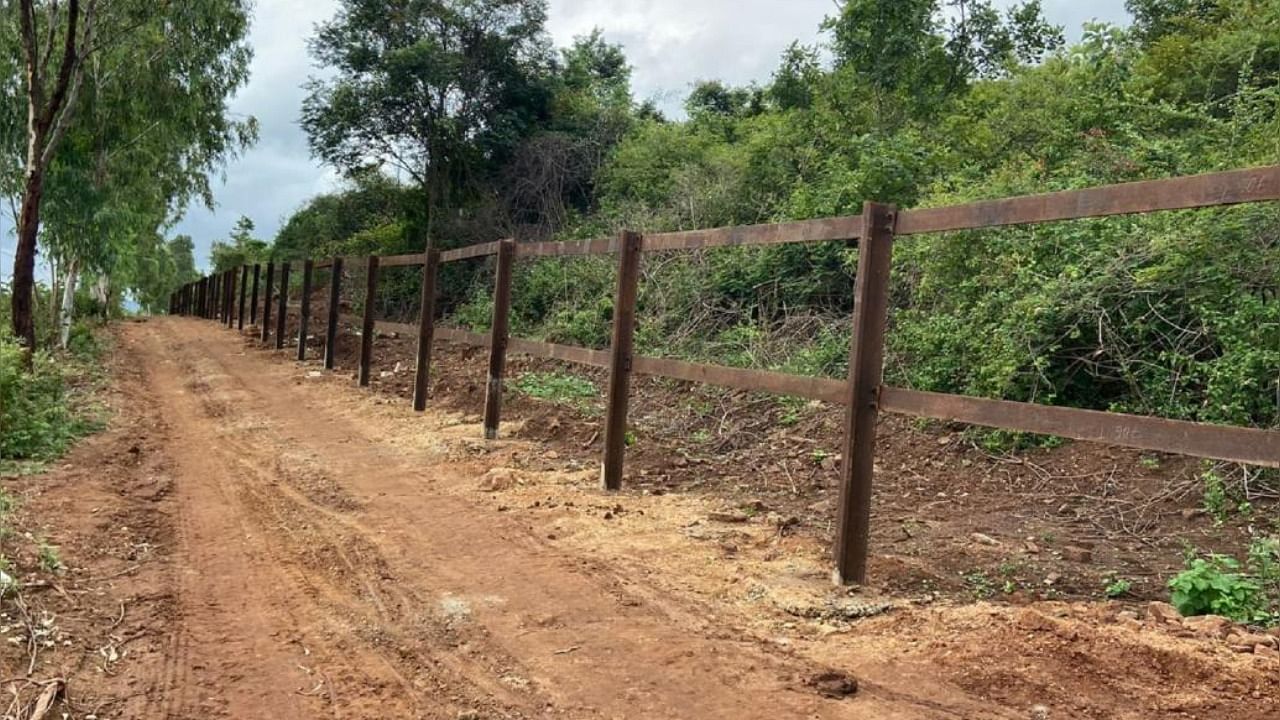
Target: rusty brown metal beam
pixel 499 331
pixel 1220 442
pixel 621 352
pixel 1196 191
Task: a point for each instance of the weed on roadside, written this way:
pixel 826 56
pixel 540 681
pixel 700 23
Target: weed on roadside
pixel 560 388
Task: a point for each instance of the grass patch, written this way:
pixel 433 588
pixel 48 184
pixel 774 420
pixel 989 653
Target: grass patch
pixel 560 388
pixel 44 411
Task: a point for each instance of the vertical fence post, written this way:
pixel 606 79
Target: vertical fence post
pixel 304 313
pixel 253 307
pixel 282 315
pixel 204 285
pixel 498 338
pixel 426 329
pixel 244 282
pixel 621 349
pixel 211 307
pixel 866 370
pixel 229 307
pixel 331 328
pixel 367 329
pixel 265 330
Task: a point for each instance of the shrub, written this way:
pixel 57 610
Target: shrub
pixel 1217 586
pixel 36 417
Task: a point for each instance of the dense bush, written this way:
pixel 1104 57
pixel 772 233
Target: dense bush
pixel 1247 592
pixel 1175 314
pixel 36 417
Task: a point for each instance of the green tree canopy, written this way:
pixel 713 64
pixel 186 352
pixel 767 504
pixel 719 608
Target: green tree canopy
pixel 441 90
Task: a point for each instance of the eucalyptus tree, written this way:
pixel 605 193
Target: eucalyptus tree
pixel 148 140
pixel 152 123
pixel 53 40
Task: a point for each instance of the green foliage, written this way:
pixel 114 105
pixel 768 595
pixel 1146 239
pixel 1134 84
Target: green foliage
pixel 560 388
pixel 368 202
pixel 980 584
pixel 1216 502
pixel 146 123
pixel 37 418
pixel 241 248
pixel 922 104
pixel 1216 586
pixel 443 91
pixel 1118 587
pixel 48 557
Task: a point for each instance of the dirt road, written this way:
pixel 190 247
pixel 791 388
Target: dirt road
pixel 334 555
pixel 326 572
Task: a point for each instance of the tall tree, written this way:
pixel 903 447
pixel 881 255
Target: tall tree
pixel 553 172
pixel 441 90
pixel 241 248
pixel 152 123
pixel 53 63
pixel 913 57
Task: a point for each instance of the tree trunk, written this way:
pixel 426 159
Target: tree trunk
pixel 54 305
pixel 68 302
pixel 102 293
pixel 24 262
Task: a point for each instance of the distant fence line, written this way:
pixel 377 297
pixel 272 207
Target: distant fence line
pixel 862 392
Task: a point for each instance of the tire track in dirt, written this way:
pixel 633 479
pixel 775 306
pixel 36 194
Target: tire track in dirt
pixel 240 646
pixel 297 513
pixel 413 601
pixel 591 651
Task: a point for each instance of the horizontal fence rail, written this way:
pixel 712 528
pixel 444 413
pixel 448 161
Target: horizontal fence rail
pixel 1185 193
pixel 863 393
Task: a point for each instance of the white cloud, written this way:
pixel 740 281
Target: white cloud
pixel 672 43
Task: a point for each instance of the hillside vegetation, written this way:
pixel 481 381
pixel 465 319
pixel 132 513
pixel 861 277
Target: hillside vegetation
pixel 916 102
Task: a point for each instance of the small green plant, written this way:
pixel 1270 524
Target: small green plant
pixel 1215 500
pixel 7 505
pixel 980 584
pixel 790 410
pixel 1263 561
pixel 1118 587
pixel 1150 462
pixel 557 387
pixel 1216 585
pixel 817 456
pixel 49 560
pixel 702 436
pixel 629 439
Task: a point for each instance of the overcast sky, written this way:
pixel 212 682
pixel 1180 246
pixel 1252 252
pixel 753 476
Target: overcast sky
pixel 670 43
